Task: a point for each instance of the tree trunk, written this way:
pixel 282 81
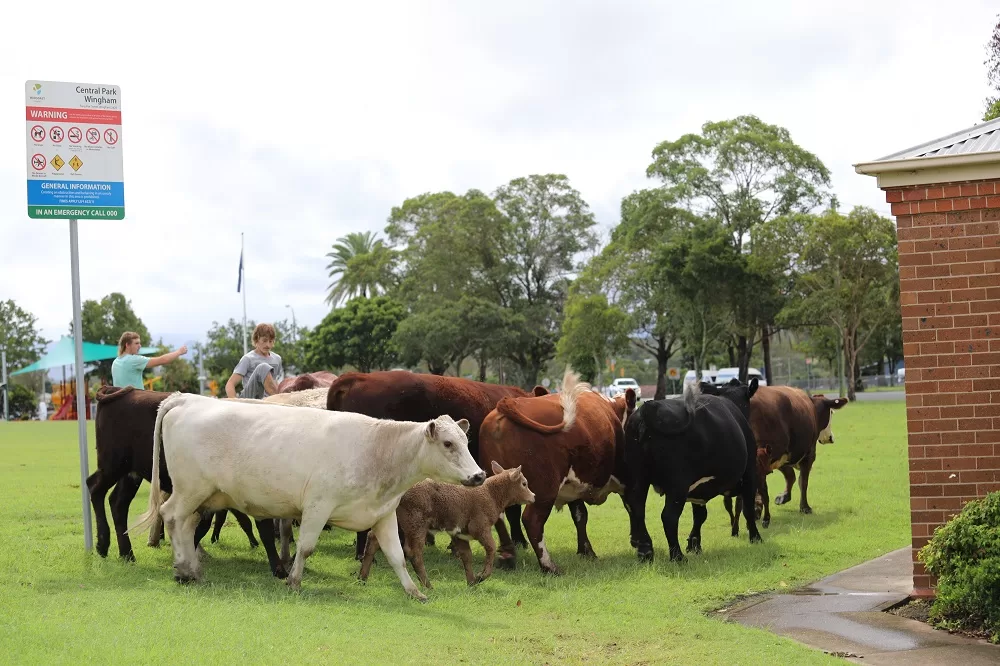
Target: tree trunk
pixel 482 367
pixel 851 359
pixel 744 357
pixel 765 343
pixel 732 355
pixel 458 366
pixel 661 368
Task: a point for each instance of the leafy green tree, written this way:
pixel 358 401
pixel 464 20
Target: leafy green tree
pixel 432 336
pixel 360 334
pixel 290 346
pixel 18 336
pixel 224 347
pixel 993 72
pixel 178 375
pixel 104 322
pixel 549 225
pixel 488 331
pixel 591 331
pixel 22 403
pixel 742 172
pixel 849 278
pixel 360 265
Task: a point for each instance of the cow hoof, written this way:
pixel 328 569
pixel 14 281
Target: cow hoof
pixel 806 510
pixel 520 543
pixel 128 556
pixel 694 546
pixel 766 523
pixel 280 572
pixel 253 544
pixel 756 538
pixel 678 557
pixel 507 562
pixel 479 579
pixel 184 579
pixel 552 570
pixel 781 499
pixel 645 555
pixel 588 554
pixel 215 538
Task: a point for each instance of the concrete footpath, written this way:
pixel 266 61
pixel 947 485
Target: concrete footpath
pixel 843 614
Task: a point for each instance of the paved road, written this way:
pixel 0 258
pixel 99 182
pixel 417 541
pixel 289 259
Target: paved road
pixel 881 396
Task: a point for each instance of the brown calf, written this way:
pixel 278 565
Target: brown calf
pixel 569 446
pixel 464 513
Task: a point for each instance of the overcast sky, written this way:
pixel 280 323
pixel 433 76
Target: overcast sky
pixel 298 124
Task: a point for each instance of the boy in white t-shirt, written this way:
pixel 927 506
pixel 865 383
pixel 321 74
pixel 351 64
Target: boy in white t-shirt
pixel 260 370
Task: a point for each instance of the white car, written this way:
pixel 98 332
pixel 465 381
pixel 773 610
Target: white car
pixel 725 375
pixel 622 384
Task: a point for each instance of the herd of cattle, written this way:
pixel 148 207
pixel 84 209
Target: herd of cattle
pixel 403 455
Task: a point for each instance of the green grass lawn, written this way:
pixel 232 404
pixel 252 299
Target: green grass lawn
pixel 61 605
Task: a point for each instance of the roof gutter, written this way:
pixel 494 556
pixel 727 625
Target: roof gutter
pixel 914 164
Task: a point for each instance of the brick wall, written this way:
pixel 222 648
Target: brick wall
pixel 949 275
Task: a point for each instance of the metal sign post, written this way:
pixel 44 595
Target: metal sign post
pixel 75 170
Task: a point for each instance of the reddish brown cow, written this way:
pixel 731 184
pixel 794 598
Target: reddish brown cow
pixel 400 395
pixel 306 381
pixel 787 423
pixel 568 445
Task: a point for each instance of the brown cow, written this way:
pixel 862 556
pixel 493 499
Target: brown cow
pixel 787 422
pixel 309 380
pixel 569 446
pixel 400 395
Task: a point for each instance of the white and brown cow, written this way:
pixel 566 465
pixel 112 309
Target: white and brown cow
pixel 316 466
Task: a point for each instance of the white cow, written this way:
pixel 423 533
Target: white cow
pixel 313 465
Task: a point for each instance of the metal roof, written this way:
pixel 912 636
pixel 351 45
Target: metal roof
pixel 981 138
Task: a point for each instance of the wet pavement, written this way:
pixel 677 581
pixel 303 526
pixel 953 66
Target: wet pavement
pixel 843 614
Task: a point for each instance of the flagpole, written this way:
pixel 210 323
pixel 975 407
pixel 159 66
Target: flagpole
pixel 243 273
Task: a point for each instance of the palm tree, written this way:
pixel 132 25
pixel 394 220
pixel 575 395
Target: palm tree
pixel 359 266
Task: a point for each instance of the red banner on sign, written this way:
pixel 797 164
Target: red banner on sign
pixel 53 114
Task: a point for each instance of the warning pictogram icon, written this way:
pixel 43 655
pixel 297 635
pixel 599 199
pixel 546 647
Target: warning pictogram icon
pixel 75 162
pixel 57 163
pixel 111 136
pixel 56 134
pixel 93 135
pixel 38 162
pixel 75 135
pixel 38 133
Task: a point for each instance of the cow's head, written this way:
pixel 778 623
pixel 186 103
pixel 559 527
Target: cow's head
pixel 624 405
pixel 447 456
pixel 736 392
pixel 824 415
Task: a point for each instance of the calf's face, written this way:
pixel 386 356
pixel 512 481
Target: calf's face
pixel 517 485
pixel 448 458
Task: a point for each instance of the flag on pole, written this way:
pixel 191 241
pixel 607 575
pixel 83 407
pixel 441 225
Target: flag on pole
pixel 239 281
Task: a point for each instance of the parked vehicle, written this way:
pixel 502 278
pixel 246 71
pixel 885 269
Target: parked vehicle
pixel 725 375
pixel 621 384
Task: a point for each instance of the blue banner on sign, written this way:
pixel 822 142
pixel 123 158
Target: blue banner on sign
pixel 75 193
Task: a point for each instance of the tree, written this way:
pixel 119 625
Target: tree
pixel 179 374
pixel 290 346
pixel 21 402
pixel 742 172
pixel 360 265
pixel 432 336
pixel 993 72
pixel 549 225
pixel 104 322
pixel 18 336
pixel 591 331
pixel 224 347
pixel 849 278
pixel 360 334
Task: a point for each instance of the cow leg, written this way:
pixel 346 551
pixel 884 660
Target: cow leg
pixel 180 521
pixel 534 518
pixel 247 526
pixel 413 550
pixel 700 513
pixel 764 513
pixel 635 504
pixel 371 547
pixel 485 538
pixel 310 527
pixel 670 516
pixel 513 514
pixel 121 497
pixel 804 468
pixel 789 473
pixel 508 556
pixel 98 485
pixel 734 516
pixel 285 528
pixel 578 509
pixel 266 528
pixel 463 551
pixel 748 491
pixel 204 525
pixel 359 545
pixel 220 520
pixel 387 532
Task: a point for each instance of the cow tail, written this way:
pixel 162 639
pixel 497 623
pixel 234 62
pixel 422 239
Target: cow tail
pixel 572 389
pixel 146 520
pixel 691 393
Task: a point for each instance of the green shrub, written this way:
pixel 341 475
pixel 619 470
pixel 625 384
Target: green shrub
pixel 964 554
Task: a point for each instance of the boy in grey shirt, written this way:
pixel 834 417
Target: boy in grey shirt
pixel 260 370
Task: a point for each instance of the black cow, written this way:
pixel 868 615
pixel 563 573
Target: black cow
pixel 124 427
pixel 690 450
